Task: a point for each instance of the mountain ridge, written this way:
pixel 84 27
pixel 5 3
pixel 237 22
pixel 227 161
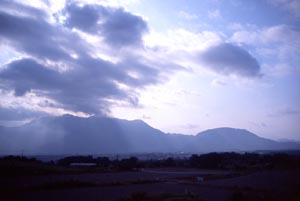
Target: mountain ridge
pixel 70 134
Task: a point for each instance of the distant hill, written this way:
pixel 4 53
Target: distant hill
pixel 288 140
pixel 102 135
pixel 232 139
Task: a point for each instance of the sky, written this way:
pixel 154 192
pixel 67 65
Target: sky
pixel 182 66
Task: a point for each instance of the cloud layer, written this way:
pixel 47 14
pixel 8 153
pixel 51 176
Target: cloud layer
pixel 59 64
pixel 87 57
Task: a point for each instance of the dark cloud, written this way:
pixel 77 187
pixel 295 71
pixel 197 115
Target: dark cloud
pixel 118 27
pixel 226 58
pixel 25 75
pixel 20 9
pixel 84 18
pixel 35 37
pixel 86 84
pixel 84 88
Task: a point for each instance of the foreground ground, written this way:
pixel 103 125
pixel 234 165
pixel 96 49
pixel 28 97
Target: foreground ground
pixel 154 184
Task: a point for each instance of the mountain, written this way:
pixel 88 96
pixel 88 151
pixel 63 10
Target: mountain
pixel 225 139
pixel 102 135
pixel 288 140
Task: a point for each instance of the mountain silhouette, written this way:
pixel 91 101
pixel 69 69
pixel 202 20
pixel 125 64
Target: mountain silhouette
pixel 69 134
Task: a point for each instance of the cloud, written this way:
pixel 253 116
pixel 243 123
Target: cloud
pixel 280 41
pixel 218 82
pixel 286 111
pixel 187 16
pixel 32 36
pixel 274 34
pixel 25 74
pixel 227 59
pixel 214 14
pixel 18 114
pixel 118 27
pixel 182 40
pixel 205 50
pixel 84 88
pixel 21 9
pixel 185 92
pixel 61 65
pixel 243 36
pixel 291 6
